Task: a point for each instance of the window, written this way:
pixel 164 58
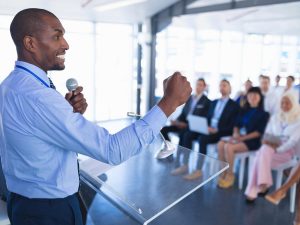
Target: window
pixel 8 51
pixel 115 79
pixel 218 54
pixel 100 57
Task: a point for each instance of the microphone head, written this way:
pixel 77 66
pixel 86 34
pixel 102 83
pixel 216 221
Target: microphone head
pixel 71 84
pixel 166 151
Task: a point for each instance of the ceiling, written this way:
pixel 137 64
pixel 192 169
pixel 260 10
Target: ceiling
pixel 272 19
pixel 277 19
pixel 73 9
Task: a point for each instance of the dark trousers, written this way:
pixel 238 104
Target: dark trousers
pixel 166 130
pixel 61 211
pixel 204 140
pixel 188 137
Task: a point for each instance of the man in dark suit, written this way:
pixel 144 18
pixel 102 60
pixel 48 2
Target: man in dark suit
pixel 198 104
pixel 221 117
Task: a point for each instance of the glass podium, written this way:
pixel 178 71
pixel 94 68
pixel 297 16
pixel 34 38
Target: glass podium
pixel 144 187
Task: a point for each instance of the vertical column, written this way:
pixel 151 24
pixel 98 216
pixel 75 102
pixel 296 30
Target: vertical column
pixel 139 72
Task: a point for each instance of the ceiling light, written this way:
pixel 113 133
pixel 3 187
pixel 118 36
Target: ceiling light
pixel 118 4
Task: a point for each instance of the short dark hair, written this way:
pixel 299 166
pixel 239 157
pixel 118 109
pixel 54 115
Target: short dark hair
pixel 27 22
pixel 226 81
pixel 255 90
pixel 291 77
pixel 202 79
pixel 265 77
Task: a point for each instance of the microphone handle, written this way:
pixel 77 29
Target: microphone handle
pixel 72 95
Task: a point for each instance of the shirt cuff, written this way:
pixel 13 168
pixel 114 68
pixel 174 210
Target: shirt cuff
pixel 156 119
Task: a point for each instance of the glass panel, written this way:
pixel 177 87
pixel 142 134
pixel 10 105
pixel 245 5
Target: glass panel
pixel 114 71
pixel 270 60
pixel 208 35
pixel 144 186
pixel 5 21
pixel 297 67
pixel 272 39
pixel 8 54
pixel 252 57
pixel 290 40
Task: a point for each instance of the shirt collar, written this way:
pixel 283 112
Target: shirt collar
pixel 36 70
pixel 224 99
pixel 197 97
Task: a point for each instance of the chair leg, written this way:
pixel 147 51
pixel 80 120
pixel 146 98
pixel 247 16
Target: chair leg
pixel 278 179
pixel 250 164
pixel 241 173
pixel 293 198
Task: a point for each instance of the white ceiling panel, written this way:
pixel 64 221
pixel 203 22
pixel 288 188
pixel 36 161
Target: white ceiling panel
pixel 272 19
pixel 73 9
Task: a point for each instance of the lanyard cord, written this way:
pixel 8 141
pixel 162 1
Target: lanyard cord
pixel 33 74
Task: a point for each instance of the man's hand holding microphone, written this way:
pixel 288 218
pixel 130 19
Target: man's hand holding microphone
pixel 75 97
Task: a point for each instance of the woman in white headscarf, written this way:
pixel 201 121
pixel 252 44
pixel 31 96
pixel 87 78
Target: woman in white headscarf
pixel 279 145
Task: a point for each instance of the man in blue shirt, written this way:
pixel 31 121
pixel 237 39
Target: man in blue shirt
pixel 41 132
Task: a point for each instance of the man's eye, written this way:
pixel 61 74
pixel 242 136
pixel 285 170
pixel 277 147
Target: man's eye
pixel 57 37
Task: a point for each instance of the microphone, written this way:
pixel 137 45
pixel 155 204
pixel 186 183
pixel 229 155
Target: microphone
pixel 168 148
pixel 71 85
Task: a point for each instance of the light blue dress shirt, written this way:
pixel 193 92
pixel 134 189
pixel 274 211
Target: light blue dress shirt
pixel 195 99
pixel 40 137
pixel 218 112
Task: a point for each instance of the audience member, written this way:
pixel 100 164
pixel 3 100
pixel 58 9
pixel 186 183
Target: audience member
pixel 277 89
pixel 221 117
pixel 241 98
pixel 289 83
pixel 197 104
pixel 270 101
pixel 247 133
pixel 277 81
pixel 281 137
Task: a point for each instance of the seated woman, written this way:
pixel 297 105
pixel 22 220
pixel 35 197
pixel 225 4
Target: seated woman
pixel 280 193
pixel 281 137
pixel 247 132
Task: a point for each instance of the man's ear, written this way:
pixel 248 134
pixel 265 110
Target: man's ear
pixel 29 43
